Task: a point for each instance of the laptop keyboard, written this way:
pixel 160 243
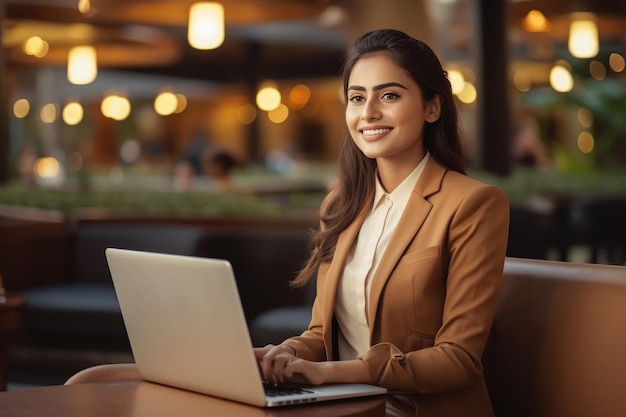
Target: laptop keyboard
pixel 272 390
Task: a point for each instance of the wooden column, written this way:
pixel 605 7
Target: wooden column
pixel 494 128
pixel 4 108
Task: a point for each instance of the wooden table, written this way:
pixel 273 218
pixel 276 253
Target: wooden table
pixel 146 399
pixel 10 322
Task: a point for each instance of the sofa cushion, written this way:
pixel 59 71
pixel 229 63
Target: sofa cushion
pixel 558 341
pixel 91 240
pixel 86 305
pixel 278 324
pixel 264 262
pixel 87 310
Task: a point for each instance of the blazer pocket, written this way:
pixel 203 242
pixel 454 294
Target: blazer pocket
pixel 419 256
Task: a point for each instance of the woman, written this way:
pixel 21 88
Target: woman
pixel 410 253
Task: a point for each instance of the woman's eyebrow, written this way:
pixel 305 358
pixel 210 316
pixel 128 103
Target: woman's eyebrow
pixel 378 87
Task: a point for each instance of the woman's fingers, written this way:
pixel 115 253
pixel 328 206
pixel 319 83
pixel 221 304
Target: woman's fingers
pixel 273 362
pixel 281 362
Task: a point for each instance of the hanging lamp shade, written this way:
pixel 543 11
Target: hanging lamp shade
pixel 82 65
pixel 583 36
pixel 206 25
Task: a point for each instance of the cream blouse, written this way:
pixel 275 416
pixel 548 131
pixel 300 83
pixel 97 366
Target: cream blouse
pixel 367 250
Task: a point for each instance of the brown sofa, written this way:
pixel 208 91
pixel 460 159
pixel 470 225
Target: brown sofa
pixel 558 343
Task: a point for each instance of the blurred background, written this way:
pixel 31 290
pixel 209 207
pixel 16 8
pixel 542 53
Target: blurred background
pixel 116 93
pixel 231 113
pixel 147 107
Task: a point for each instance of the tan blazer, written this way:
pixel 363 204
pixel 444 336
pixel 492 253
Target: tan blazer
pixel 433 296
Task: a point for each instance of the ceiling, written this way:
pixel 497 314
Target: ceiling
pixel 264 38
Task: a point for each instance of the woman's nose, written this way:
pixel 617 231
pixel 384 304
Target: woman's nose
pixel 370 111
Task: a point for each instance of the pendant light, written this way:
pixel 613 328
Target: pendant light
pixel 82 65
pixel 206 25
pixel 583 36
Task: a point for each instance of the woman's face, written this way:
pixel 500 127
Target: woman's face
pixel 385 112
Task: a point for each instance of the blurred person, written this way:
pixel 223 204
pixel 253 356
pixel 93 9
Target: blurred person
pixel 528 149
pixel 410 252
pixel 218 166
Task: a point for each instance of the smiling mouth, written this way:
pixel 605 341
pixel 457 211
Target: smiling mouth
pixel 373 132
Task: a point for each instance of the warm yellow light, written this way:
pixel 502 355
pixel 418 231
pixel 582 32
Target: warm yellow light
pixel 616 62
pixel 47 167
pixel 246 114
pixel 48 113
pixel 268 98
pixel 84 6
pixel 585 142
pixel 457 81
pixel 35 46
pixel 469 94
pixel 73 113
pixel 82 65
pixel 165 103
pixel 585 117
pixel 561 79
pixel 299 96
pixel 206 25
pixel 115 107
pixel 535 21
pixel 181 103
pixel 279 114
pixel 583 36
pixel 522 81
pixel 597 70
pixel 21 108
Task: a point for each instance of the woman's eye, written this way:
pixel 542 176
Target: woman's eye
pixel 355 99
pixel 389 96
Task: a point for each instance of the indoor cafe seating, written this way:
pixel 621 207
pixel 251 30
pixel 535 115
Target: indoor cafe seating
pixel 76 322
pixel 556 348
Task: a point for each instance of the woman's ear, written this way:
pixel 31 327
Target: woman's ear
pixel 433 109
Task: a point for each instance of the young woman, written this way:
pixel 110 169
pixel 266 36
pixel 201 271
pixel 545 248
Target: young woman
pixel 410 252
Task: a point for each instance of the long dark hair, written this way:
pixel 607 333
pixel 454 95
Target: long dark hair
pixel 356 172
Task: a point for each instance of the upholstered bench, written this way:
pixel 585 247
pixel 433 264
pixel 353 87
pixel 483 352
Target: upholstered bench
pixel 76 323
pixel 85 306
pixel 558 342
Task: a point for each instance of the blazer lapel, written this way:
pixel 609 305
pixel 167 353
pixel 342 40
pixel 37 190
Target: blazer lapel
pixel 335 270
pixel 413 217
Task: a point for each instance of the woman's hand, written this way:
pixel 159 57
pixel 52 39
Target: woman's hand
pixel 279 364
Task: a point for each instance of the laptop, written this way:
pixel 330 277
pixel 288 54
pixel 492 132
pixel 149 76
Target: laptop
pixel 187 329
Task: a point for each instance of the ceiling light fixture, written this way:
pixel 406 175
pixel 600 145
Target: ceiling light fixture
pixel 82 65
pixel 583 36
pixel 206 25
pixel 84 6
pixel 535 21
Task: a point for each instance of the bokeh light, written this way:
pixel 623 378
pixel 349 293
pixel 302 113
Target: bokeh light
pixel 49 113
pixel 73 113
pixel 279 114
pixel 585 142
pixel 165 103
pixel 561 79
pixel 21 108
pixel 268 98
pixel 246 114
